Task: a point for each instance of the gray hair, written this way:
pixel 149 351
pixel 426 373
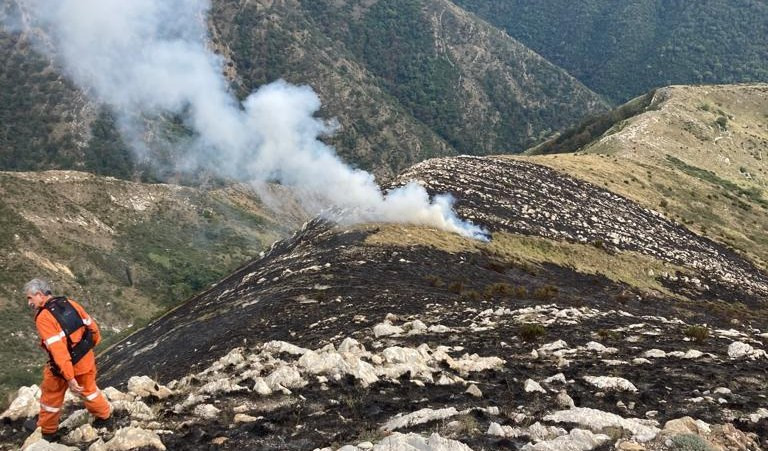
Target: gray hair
pixel 37 285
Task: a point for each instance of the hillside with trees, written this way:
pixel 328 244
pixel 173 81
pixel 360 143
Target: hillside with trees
pixel 623 49
pixel 405 80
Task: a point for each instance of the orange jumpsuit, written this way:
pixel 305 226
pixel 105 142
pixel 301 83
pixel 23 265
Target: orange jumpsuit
pixel 53 387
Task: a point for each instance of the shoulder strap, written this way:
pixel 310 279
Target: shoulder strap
pixel 66 315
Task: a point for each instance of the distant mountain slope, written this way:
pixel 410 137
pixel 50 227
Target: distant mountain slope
pixel 406 79
pixel 622 49
pixel 126 250
pixel 697 154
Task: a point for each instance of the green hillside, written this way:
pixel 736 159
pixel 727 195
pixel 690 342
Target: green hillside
pixel 407 80
pixel 126 250
pixel 623 48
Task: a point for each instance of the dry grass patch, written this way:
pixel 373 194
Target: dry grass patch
pixel 631 268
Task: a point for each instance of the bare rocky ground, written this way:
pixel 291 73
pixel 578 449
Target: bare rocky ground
pixel 335 340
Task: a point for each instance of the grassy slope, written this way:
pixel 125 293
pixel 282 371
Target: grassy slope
pixel 128 251
pixel 698 157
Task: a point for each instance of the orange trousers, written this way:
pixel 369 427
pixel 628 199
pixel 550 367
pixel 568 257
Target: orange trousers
pixel 53 389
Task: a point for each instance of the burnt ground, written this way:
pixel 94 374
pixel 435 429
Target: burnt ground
pixel 326 283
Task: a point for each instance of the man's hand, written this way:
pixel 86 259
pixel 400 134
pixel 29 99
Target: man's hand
pixel 75 387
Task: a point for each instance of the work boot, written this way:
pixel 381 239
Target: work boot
pixel 53 437
pixel 99 423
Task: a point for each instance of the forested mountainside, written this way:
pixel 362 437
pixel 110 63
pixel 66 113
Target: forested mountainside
pixel 621 49
pixel 406 80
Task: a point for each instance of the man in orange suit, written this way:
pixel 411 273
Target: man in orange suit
pixel 68 334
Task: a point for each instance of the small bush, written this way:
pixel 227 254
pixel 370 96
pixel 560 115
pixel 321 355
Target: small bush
pixel 499 289
pixel 497 266
pixel 545 293
pixel 698 333
pixel 456 287
pixel 532 331
pixel 607 334
pixel 722 122
pixel 472 295
pixel 435 281
pixel 623 297
pixel 689 442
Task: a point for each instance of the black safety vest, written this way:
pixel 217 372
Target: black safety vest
pixel 70 321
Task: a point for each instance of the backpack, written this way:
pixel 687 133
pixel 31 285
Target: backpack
pixel 70 321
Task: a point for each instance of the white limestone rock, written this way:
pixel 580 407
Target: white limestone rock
pixel 337 364
pixel 83 434
pixel 739 350
pixel 418 417
pixel 387 329
pixel 113 394
pixel 600 349
pixel 42 445
pixel 261 387
pixel 474 363
pixel 693 354
pixel 558 378
pixel 285 377
pixel 416 442
pixel 610 383
pixel 352 346
pixel 206 411
pixel 758 415
pixel 278 347
pixel 654 354
pixel 552 347
pixel 136 409
pixel 98 445
pixel 130 438
pixel 564 401
pixel 474 391
pixel 144 386
pixel 75 420
pixel 25 405
pixel 686 425
pixel 439 329
pixel 576 440
pixel 531 386
pixel 596 420
pixel 190 401
pixel 415 327
pixel 223 385
pixel 245 418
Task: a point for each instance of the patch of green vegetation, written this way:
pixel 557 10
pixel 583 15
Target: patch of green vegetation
pixel 731 190
pixel 697 333
pixel 688 442
pixel 531 331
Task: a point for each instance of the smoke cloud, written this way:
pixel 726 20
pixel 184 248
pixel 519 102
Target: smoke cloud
pixel 149 57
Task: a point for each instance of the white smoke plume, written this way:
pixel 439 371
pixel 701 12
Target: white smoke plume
pixel 149 57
